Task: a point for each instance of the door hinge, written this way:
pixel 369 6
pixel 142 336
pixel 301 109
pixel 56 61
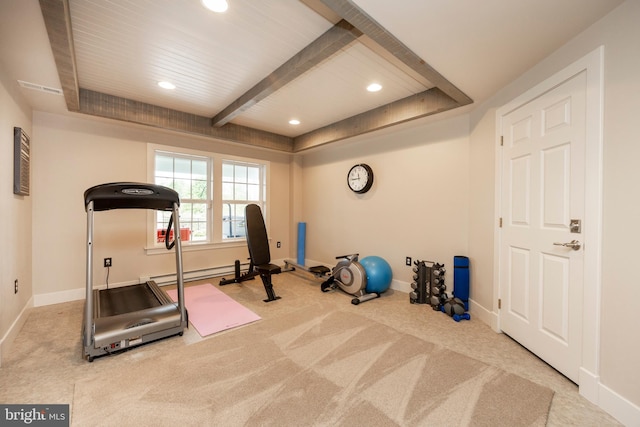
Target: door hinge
pixel 501 140
pixel 499 303
pixel 500 222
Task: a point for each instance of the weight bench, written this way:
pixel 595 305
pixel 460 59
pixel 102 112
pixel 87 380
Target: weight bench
pixel 258 244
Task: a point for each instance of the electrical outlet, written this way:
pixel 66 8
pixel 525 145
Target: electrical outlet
pixel 407 261
pixel 278 245
pixel 15 286
pixel 107 262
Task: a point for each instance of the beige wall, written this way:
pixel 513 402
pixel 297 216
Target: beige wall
pixel 482 219
pixel 418 205
pixel 15 216
pixel 619 344
pixel 438 156
pixel 72 154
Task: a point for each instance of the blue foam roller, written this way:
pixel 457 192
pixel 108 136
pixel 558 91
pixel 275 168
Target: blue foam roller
pixel 302 235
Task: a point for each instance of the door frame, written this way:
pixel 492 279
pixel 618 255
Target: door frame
pixel 593 65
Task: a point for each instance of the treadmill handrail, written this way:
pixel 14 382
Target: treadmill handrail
pixel 131 195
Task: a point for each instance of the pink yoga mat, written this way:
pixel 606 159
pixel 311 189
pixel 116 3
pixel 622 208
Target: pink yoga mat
pixel 211 311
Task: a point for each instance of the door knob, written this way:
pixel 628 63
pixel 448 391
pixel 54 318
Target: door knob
pixel 574 244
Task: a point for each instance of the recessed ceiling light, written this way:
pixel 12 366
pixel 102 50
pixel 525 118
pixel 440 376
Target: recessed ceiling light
pixel 166 85
pixel 217 6
pixel 294 122
pixel 374 87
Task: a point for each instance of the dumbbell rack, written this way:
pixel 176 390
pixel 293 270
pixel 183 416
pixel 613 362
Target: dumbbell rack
pixel 428 284
pixel 421 293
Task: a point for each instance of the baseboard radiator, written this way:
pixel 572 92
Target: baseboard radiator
pixel 188 276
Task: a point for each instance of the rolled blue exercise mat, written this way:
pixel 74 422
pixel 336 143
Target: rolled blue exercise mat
pixel 302 234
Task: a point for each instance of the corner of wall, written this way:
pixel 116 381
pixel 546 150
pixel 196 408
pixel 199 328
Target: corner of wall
pixel 8 338
pixel 486 316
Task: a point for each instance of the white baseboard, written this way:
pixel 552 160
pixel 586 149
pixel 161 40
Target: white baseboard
pixel 14 329
pixel 484 315
pixel 589 385
pixel 617 406
pixel 397 285
pixel 80 293
pixel 72 294
pixel 58 297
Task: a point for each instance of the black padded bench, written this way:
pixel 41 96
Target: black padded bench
pixel 259 253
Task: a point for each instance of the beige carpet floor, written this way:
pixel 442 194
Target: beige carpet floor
pixel 314 359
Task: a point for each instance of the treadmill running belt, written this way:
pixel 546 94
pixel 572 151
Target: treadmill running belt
pixel 126 299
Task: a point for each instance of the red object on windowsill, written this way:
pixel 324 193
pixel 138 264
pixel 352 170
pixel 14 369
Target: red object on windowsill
pixel 185 235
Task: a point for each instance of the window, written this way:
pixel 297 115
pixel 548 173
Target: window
pixel 214 191
pixel 242 183
pixel 190 176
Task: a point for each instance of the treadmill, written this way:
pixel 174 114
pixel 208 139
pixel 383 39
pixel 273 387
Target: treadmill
pixel 127 316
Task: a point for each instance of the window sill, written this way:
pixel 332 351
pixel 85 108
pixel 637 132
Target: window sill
pixel 192 247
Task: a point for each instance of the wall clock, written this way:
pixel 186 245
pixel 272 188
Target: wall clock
pixel 360 178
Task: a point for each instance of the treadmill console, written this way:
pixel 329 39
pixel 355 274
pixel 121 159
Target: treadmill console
pixel 131 195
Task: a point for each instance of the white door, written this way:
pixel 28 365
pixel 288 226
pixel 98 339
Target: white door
pixel 543 191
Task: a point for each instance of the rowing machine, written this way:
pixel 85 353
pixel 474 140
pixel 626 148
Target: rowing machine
pixel 350 276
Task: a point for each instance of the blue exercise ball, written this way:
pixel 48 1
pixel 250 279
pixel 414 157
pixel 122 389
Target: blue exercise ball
pixel 379 274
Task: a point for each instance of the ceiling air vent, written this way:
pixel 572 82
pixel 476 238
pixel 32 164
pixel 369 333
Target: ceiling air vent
pixel 35 86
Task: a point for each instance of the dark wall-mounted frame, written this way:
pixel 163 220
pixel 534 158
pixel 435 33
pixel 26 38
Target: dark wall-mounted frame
pixel 21 161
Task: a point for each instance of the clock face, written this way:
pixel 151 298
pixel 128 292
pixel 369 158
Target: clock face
pixel 360 178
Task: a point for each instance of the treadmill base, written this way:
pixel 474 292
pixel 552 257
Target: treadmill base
pixel 127 323
pixel 90 352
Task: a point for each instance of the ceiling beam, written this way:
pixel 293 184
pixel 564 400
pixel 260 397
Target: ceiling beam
pixel 350 12
pixel 354 25
pixel 338 37
pixel 57 19
pixel 117 108
pixel 431 101
pixel 58 22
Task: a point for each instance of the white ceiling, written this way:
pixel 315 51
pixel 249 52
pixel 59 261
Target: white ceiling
pixel 124 47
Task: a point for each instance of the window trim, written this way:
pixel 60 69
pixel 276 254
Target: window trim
pixel 216 159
